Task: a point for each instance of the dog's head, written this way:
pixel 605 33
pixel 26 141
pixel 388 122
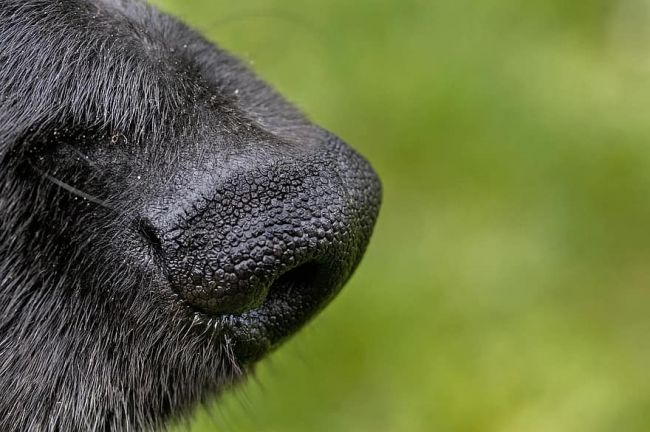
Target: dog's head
pixel 166 218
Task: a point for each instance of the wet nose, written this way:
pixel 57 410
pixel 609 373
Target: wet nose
pixel 295 227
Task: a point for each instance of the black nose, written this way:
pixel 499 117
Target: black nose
pixel 276 239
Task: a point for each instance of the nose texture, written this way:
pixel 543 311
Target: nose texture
pixel 286 230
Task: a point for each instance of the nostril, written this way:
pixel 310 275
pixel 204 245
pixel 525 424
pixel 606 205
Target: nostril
pixel 308 286
pixel 300 277
pixel 310 283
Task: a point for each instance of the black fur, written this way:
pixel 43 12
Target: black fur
pixel 165 217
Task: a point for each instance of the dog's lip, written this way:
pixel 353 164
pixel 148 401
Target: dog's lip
pixel 288 306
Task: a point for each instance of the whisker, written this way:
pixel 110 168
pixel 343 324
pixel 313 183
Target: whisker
pixel 83 156
pixel 273 14
pixel 77 192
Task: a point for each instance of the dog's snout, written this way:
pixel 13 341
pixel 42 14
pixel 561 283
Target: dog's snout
pixel 281 238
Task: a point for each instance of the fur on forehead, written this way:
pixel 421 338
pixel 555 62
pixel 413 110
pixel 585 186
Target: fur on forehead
pixel 122 66
pixel 97 65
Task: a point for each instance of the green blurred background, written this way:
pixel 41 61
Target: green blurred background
pixel 507 287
